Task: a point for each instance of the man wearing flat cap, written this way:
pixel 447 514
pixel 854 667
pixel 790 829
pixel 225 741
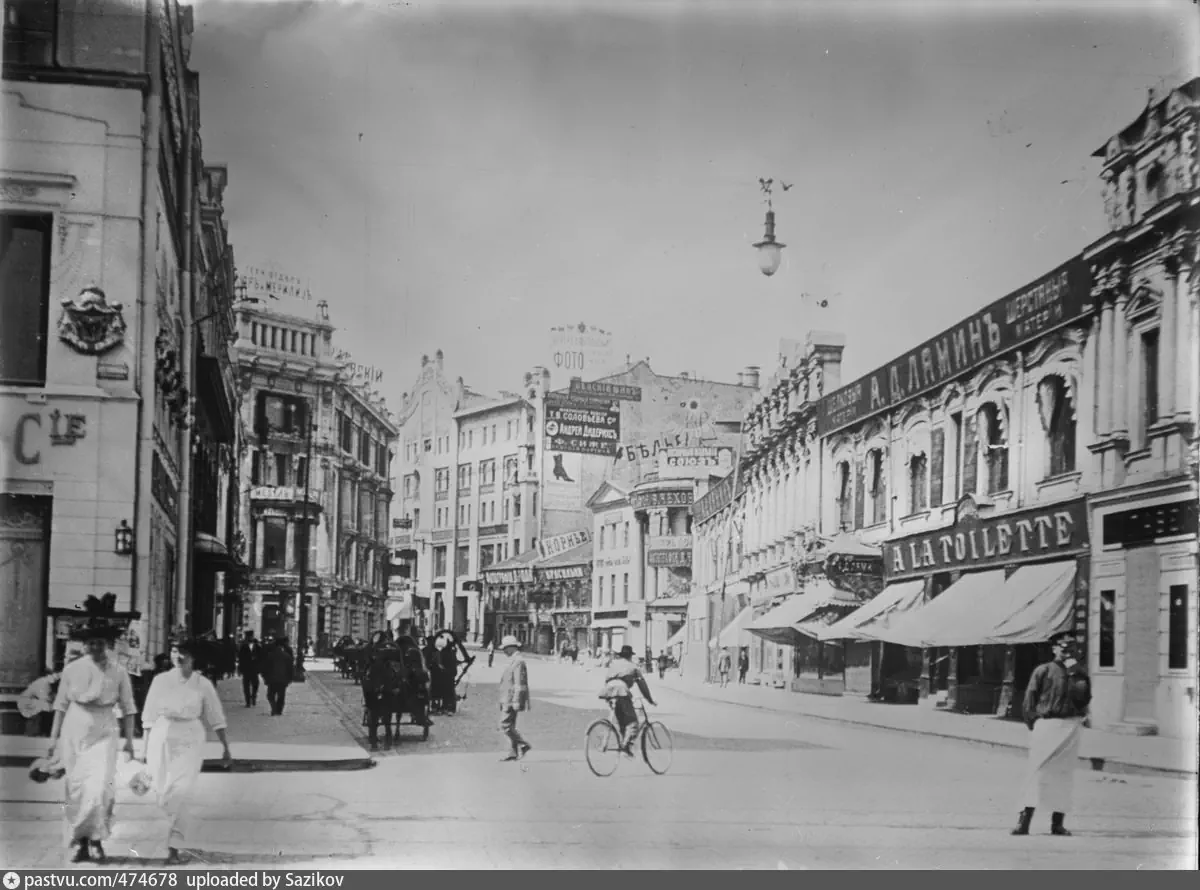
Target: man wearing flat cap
pixel 1056 703
pixel 514 697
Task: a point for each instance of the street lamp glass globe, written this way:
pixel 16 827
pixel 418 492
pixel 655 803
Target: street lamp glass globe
pixel 769 256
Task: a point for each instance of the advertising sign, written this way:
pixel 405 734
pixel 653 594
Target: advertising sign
pixel 1029 313
pixel 579 350
pixel 582 426
pixel 669 542
pixel 987 542
pixel 643 500
pixel 669 558
pixel 600 389
pixel 562 543
pixel 699 461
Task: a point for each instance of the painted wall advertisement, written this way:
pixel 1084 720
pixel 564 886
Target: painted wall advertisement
pixel 579 350
pixel 582 426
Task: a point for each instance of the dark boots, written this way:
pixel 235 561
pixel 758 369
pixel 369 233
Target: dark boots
pixel 1023 821
pixel 1026 817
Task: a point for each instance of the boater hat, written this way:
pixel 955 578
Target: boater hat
pixel 510 640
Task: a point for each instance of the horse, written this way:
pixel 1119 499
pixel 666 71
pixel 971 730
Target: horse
pixel 395 682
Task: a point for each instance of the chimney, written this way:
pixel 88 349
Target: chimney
pixel 740 376
pixel 750 376
pixel 826 348
pixel 439 356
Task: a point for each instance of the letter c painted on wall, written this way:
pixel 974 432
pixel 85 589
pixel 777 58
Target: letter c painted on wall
pixel 19 443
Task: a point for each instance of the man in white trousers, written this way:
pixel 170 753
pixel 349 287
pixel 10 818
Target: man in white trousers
pixel 1055 707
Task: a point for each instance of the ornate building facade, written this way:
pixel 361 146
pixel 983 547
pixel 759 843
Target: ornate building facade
pixel 103 214
pixel 318 458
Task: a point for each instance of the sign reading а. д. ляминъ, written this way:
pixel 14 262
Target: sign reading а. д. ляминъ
pixel 1029 313
pixel 992 541
pixel 583 426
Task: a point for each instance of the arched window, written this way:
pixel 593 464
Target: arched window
pixel 845 498
pixel 877 485
pixel 993 435
pixel 918 483
pixel 1057 415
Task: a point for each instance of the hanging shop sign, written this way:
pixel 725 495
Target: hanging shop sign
pixel 669 542
pixel 1053 300
pixel 847 564
pixel 977 542
pixel 646 500
pixel 603 390
pixel 562 543
pixel 582 426
pixel 700 460
pixel 566 573
pixel 666 559
pixel 509 576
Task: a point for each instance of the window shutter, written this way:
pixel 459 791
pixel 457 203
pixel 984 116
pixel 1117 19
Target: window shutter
pixel 860 495
pixel 970 453
pixel 937 463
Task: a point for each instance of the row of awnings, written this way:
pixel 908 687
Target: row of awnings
pixel 982 608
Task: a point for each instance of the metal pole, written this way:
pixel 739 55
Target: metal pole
pixel 302 611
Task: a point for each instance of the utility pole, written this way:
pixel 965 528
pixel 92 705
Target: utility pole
pixel 302 609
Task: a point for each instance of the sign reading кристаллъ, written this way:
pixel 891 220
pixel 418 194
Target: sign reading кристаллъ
pixel 981 542
pixel 1051 301
pixel 582 426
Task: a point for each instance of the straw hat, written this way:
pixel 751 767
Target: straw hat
pixel 510 640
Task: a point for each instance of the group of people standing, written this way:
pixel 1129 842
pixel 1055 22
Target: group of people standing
pixel 274 662
pixel 93 724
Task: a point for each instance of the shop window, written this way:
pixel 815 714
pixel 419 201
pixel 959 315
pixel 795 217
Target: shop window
pixel 625 589
pixel 844 495
pixel 25 285
pixel 1178 633
pixel 995 447
pixel 1057 415
pixel 1108 629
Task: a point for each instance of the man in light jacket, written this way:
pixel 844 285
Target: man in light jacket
pixel 514 697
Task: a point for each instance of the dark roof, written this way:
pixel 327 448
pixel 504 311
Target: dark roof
pixel 514 562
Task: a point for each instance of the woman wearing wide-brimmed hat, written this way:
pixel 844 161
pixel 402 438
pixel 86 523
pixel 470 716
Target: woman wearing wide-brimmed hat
pixel 178 705
pixel 86 735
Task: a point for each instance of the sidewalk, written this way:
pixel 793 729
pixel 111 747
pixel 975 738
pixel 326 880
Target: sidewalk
pixel 1101 750
pixel 308 735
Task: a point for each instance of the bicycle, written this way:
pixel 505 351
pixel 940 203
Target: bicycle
pixel 602 743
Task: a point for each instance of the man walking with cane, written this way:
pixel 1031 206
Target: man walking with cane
pixel 1055 706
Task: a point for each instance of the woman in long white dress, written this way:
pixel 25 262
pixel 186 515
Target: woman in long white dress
pixel 178 705
pixel 85 736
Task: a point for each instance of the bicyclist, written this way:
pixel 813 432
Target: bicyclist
pixel 620 678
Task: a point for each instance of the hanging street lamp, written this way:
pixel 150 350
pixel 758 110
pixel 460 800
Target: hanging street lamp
pixel 770 251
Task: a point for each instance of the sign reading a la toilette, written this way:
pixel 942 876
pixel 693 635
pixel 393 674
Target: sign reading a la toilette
pixel 976 542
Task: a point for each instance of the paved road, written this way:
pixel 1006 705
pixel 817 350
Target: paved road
pixel 748 789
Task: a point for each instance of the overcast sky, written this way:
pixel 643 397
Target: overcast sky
pixel 465 176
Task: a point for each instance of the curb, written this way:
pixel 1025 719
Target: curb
pixel 241 766
pixel 1096 764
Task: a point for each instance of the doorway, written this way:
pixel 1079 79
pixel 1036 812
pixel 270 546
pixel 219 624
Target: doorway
pixel 1141 632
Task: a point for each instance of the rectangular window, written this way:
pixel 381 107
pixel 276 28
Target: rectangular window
pixel 625 538
pixel 462 561
pixel 256 470
pixel 1178 633
pixel 281 469
pixel 25 289
pixel 603 534
pixel 439 562
pixel 275 543
pixel 508 427
pixel 625 589
pixel 1108 628
pixel 956 424
pixel 1149 381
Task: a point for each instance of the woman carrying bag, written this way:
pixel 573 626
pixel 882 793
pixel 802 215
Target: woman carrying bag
pixel 85 734
pixel 178 705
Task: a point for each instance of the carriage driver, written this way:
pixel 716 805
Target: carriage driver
pixel 619 679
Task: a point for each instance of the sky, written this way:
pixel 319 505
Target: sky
pixel 464 176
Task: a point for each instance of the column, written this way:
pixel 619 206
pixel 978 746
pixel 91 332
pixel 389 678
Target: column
pixel 1105 376
pixel 258 543
pixel 1121 382
pixel 1168 321
pixel 289 558
pixel 1133 393
pixel 1185 346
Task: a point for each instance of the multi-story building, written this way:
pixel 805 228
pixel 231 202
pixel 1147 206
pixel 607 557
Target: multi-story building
pixel 1142 613
pixel 467 486
pixel 106 268
pixel 318 458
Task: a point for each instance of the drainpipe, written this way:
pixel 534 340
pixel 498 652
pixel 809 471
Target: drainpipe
pixel 143 376
pixel 183 577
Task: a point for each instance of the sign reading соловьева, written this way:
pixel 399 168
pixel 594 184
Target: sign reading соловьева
pixel 1051 301
pixel 976 542
pixel 582 425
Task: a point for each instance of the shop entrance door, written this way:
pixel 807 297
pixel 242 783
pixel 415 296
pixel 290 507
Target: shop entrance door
pixel 23 544
pixel 1141 632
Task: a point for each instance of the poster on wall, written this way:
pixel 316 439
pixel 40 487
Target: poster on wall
pixel 579 350
pixel 562 484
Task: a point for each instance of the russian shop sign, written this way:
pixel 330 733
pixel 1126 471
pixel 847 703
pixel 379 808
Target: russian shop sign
pixel 583 426
pixel 509 576
pixel 975 542
pixel 605 390
pixel 662 559
pixel 567 573
pixel 643 500
pixel 562 543
pixel 1053 300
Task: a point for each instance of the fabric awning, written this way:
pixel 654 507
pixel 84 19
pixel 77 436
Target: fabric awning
pixel 678 637
pixel 780 624
pixel 985 609
pixel 734 634
pixel 890 605
pixel 610 623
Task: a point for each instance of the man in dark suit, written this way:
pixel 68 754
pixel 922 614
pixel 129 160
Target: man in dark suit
pixel 278 674
pixel 249 665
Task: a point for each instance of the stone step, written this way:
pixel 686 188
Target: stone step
pixel 1133 727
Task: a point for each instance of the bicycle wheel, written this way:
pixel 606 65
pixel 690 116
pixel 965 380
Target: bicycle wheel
pixel 602 746
pixel 658 748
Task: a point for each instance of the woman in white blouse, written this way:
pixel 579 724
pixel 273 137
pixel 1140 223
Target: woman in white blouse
pixel 178 705
pixel 85 736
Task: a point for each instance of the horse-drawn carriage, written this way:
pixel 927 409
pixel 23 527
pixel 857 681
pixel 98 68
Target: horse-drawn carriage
pixel 395 681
